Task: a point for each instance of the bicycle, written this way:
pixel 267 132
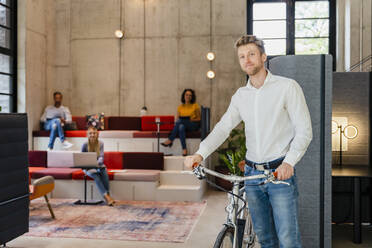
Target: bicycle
pixel 238 229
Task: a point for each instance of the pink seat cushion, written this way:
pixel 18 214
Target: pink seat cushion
pixel 57 173
pixel 37 158
pixel 143 160
pixel 116 134
pixel 138 175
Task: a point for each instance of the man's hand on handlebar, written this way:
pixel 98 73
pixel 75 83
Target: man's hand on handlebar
pixel 284 171
pixel 192 161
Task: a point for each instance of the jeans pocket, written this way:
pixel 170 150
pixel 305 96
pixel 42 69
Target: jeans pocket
pixel 247 170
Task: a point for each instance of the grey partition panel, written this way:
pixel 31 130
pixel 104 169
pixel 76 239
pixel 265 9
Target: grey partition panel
pixel 14 191
pixel 314 74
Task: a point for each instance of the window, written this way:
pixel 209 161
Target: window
pixel 293 26
pixel 311 27
pixel 8 55
pixel 270 24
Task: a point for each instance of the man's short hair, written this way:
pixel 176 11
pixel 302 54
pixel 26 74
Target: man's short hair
pixel 57 93
pixel 250 39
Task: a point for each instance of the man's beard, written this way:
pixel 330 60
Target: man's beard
pixel 255 70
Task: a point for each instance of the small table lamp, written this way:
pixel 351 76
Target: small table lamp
pixel 349 131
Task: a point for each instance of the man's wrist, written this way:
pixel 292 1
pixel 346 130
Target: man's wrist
pixel 200 157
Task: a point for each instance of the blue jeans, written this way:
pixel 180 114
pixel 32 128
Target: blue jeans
pixel 180 129
pixel 274 211
pixel 100 178
pixel 55 128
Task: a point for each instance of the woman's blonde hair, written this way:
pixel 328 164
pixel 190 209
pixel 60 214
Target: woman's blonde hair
pixel 93 146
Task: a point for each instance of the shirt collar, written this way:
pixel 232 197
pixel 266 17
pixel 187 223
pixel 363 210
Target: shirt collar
pixel 267 79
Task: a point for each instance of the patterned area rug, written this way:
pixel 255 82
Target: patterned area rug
pixel 128 220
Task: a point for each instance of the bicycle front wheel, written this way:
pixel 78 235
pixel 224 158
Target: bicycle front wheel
pixel 225 238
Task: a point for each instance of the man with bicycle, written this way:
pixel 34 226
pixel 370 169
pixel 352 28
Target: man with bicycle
pixel 278 132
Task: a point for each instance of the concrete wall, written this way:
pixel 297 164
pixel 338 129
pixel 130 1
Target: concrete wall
pixel 33 58
pixel 162 53
pixel 354 33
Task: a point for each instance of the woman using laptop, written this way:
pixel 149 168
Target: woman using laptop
pixel 188 119
pixel 99 175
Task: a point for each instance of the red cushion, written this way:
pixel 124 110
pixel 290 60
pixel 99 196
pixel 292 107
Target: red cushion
pixel 76 133
pixel 37 158
pixel 114 160
pixel 143 160
pixel 148 123
pixel 72 133
pixel 57 173
pixel 79 175
pixel 81 122
pixel 123 123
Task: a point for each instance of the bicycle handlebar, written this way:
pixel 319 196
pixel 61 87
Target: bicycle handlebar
pixel 201 171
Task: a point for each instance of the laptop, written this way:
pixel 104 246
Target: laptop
pixel 85 159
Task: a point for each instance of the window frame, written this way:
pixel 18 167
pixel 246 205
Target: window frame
pixel 290 24
pixel 12 53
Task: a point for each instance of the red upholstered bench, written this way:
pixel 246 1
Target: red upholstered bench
pixel 114 160
pixel 143 160
pixel 81 122
pixel 148 123
pixel 57 173
pixel 37 158
pixel 123 123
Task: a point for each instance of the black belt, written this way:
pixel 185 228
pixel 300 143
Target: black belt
pixel 265 166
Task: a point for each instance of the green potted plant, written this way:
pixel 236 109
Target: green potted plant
pixel 230 155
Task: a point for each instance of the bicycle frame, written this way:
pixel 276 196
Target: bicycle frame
pixel 232 208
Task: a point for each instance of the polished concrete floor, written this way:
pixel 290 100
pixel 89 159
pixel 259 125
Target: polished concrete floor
pixel 203 234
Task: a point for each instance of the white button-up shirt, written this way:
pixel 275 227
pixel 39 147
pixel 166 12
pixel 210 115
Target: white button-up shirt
pixel 276 117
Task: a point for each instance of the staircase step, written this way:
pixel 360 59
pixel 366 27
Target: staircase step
pixel 173 163
pixel 179 193
pixel 178 178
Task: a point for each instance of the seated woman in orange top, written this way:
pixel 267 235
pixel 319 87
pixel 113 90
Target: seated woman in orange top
pixel 188 119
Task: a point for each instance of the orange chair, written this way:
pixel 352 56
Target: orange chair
pixel 41 187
